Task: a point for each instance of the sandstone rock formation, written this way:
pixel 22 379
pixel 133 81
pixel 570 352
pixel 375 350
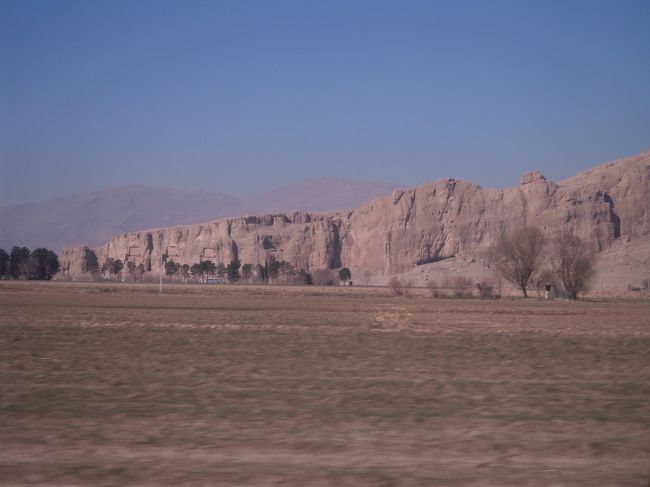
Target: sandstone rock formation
pixel 411 227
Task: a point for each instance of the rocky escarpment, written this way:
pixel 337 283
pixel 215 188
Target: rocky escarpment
pixel 394 234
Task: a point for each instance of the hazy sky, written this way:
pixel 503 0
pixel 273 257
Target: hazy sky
pixel 243 96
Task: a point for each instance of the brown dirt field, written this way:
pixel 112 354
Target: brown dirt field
pixel 216 385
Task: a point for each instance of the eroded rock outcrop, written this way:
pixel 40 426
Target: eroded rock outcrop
pixel 390 235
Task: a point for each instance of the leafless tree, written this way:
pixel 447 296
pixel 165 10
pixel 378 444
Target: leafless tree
pixel 487 289
pixel 434 289
pixel 396 286
pixel 407 288
pixel 517 256
pixel 574 264
pixel 461 287
pixel 323 277
pixel 400 287
pixel 366 277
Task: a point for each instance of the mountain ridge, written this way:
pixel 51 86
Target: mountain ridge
pixel 91 218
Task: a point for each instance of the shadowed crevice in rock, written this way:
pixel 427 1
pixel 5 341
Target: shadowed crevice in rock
pixel 235 251
pixel 616 221
pixel 432 259
pixel 336 257
pixel 267 243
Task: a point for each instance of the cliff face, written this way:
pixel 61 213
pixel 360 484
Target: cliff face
pixel 305 240
pixel 389 235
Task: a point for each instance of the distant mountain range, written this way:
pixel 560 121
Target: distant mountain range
pixel 93 218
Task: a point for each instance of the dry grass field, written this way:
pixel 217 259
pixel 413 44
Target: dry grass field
pixel 215 385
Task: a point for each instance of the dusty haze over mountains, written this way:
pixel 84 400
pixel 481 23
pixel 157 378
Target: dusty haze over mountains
pixel 607 206
pixel 92 218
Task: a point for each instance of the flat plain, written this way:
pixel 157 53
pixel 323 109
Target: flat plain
pixel 107 384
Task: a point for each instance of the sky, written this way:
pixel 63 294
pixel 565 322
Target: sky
pixel 244 96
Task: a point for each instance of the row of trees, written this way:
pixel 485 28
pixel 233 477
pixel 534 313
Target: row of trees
pixel 527 256
pixel 273 271
pixel 114 268
pixel 206 269
pixel 21 263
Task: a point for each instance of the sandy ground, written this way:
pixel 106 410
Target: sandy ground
pixel 232 385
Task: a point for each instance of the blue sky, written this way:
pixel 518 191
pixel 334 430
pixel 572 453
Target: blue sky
pixel 244 96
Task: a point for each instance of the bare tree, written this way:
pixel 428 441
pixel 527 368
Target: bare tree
pixel 131 270
pixel 433 288
pixel 461 287
pixel 366 277
pixel 517 256
pixel 399 287
pixel 323 277
pixel 247 272
pixel 407 288
pixel 574 264
pixel 396 286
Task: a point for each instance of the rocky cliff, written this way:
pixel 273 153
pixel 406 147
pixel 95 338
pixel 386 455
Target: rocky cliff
pixel 410 227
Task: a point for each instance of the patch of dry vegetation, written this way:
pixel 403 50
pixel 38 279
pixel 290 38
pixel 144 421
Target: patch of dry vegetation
pixel 115 384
